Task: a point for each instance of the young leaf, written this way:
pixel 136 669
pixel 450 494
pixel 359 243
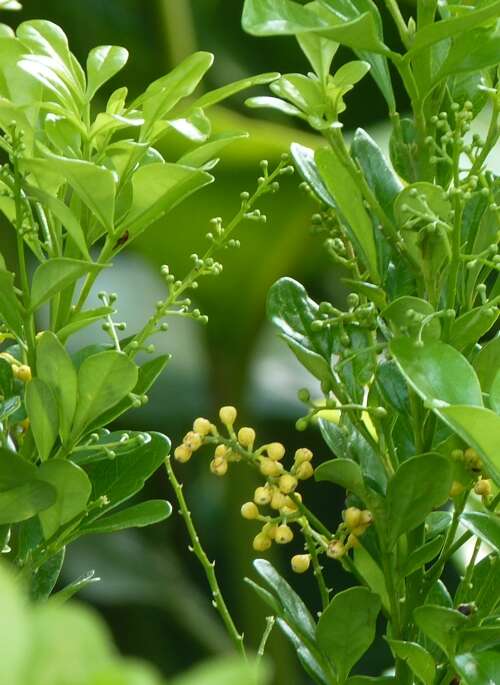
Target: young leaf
pixel 103 380
pixel 55 368
pixel 202 154
pixel 419 485
pixel 73 489
pixel 485 525
pixel 10 311
pixel 348 198
pixel 41 406
pixel 54 275
pixel 347 628
pixel 137 516
pixel 219 94
pixel 479 668
pixel 103 63
pixel 23 502
pixel 418 659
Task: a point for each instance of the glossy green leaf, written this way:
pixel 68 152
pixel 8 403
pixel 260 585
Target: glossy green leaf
pixel 392 386
pixel 440 624
pixel 479 428
pixel 104 379
pixel 308 657
pixel 293 313
pixel 194 126
pixel 73 489
pixel 268 102
pixel 120 478
pixel 219 94
pixel 10 310
pixel 23 502
pixel 158 188
pixel 437 372
pixel 303 158
pixel 319 51
pixel 137 516
pixel 202 154
pixel 419 485
pixel 418 659
pixel 6 378
pixel 347 628
pixel 73 588
pixel 56 274
pixel 487 363
pixel 485 525
pixel 422 555
pixel 483 637
pixel 343 472
pixel 479 668
pixel 55 369
pixel 41 405
pixel 403 150
pixel 9 406
pixel 103 63
pixel 348 198
pixel 472 51
pixel 398 314
pixel 471 326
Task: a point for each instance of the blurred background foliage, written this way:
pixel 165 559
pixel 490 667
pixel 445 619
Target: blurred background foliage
pixel 152 593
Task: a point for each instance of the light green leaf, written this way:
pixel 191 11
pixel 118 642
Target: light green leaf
pixel 43 414
pixel 10 310
pixel 494 398
pixel 219 94
pixel 73 489
pixel 137 516
pixel 419 485
pixel 479 668
pixel 372 574
pixel 347 628
pixel 423 554
pixel 418 659
pixel 485 525
pixel 319 51
pixel 225 671
pixel 349 200
pixel 55 368
pixel 202 154
pixel 54 275
pixel 103 380
pixel 23 502
pixel 103 63
pixel 268 102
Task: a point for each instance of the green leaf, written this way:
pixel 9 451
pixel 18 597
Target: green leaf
pixel 54 275
pixel 485 525
pixel 14 471
pixel 24 501
pixel 418 659
pixel 440 624
pixel 10 310
pixel 348 198
pixel 306 165
pixel 138 516
pixel 487 363
pixel 55 369
pixel 471 326
pixel 419 485
pixel 479 668
pixel 397 313
pixel 343 472
pixel 45 579
pixel 479 428
pixel 372 574
pixel 103 63
pixel 292 312
pixel 422 555
pixel 494 398
pixel 104 379
pixel 472 51
pixel 73 489
pixel 437 372
pixel 366 680
pixel 81 320
pixel 267 102
pixel 10 406
pixel 319 51
pixel 392 386
pixel 41 405
pixel 347 628
pixel 156 189
pixel 202 154
pixel 483 637
pixel 120 478
pixel 219 94
pixel 76 586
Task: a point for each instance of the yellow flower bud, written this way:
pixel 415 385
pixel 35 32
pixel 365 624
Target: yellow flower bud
pixel 303 454
pixel 304 470
pixel 270 468
pixel 269 529
pixel 182 454
pixel 289 508
pixel 483 487
pixel 284 534
pixel 202 426
pixel 246 437
pixel 261 542
pixel 456 488
pixel 301 562
pixel 193 440
pixel 366 517
pixel 263 495
pixel 228 415
pixel 335 549
pixel 352 541
pixel 278 500
pixel 221 451
pixel 219 466
pixel 472 459
pixel 352 517
pixel 287 483
pixel 23 372
pixel 275 451
pixel 249 511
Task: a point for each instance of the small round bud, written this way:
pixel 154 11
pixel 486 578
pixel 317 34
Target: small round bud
pixel 304 470
pixel 221 451
pixel 472 459
pixel 261 542
pixel 182 454
pixel 202 426
pixel 246 437
pixel 304 395
pixel 263 495
pixel 352 517
pixel 278 500
pixel 275 451
pixel 269 530
pixel 193 441
pixel 300 563
pixel 219 466
pixel 483 487
pixel 22 373
pixel 249 511
pixel 456 488
pixel 366 518
pixel 336 549
pixel 287 483
pixel 289 507
pixel 284 534
pixel 270 468
pixel 228 415
pixel 303 454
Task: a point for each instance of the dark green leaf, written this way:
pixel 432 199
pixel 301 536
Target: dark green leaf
pixel 41 405
pixel 472 325
pixel 392 386
pixel 343 472
pixel 45 579
pixel 14 471
pixel 422 555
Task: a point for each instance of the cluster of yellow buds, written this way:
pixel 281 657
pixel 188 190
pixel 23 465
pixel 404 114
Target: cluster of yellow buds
pixel 355 524
pixel 471 460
